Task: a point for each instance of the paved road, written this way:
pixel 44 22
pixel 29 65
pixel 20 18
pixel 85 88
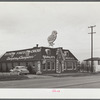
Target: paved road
pixel 55 82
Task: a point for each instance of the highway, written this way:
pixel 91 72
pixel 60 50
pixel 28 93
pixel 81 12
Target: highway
pixel 92 81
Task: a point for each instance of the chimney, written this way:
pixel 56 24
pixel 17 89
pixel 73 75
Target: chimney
pixel 37 45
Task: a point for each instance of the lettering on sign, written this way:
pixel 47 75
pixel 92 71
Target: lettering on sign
pixel 69 58
pixel 48 57
pixel 26 52
pixel 10 53
pixel 20 58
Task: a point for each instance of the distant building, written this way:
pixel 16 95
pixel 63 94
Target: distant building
pixel 96 64
pixel 45 60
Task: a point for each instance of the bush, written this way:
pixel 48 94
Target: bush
pixel 31 70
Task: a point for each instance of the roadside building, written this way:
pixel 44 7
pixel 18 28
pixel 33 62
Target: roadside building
pixel 86 64
pixel 44 59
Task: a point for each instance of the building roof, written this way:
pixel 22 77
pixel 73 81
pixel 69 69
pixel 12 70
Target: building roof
pixel 94 59
pixel 20 55
pixel 35 53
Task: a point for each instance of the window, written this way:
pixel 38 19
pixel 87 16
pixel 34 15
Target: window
pixel 74 65
pixel 4 67
pixel 93 62
pixel 98 62
pixel 66 53
pixel 48 51
pixel 70 65
pixel 44 67
pixel 15 64
pixel 52 65
pixel 22 63
pixel 30 63
pixel 9 65
pixel 48 65
pixel 87 62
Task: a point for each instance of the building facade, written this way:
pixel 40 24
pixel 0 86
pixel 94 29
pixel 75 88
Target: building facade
pixel 86 64
pixel 45 60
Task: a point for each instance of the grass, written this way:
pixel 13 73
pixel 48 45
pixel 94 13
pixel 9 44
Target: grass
pixel 6 77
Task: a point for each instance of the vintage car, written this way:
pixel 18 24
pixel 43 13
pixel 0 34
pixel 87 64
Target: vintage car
pixel 19 70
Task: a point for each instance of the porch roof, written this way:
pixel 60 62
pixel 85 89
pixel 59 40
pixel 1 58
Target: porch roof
pixel 94 59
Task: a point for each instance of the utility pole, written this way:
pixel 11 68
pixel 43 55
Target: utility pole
pixel 92 45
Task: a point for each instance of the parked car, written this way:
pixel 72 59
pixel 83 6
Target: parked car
pixel 19 70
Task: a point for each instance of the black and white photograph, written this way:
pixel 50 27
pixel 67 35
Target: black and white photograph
pixel 50 45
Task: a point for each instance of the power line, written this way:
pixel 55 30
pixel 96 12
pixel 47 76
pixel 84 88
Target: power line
pixel 92 45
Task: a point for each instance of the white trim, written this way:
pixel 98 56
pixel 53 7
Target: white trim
pixel 65 65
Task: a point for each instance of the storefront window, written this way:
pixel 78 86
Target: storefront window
pixel 4 67
pixel 87 63
pixel 69 65
pixel 44 67
pixel 22 63
pixel 15 64
pixel 48 65
pixel 52 65
pixel 30 63
pixel 98 62
pixel 74 65
pixel 9 65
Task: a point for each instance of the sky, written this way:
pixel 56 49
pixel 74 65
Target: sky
pixel 25 24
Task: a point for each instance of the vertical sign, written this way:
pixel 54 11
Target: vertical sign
pixel 38 67
pixel 59 61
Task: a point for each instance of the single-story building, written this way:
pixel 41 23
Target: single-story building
pixel 86 64
pixel 45 60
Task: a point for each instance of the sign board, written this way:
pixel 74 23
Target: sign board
pixel 22 55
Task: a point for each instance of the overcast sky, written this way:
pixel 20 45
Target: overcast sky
pixel 25 24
